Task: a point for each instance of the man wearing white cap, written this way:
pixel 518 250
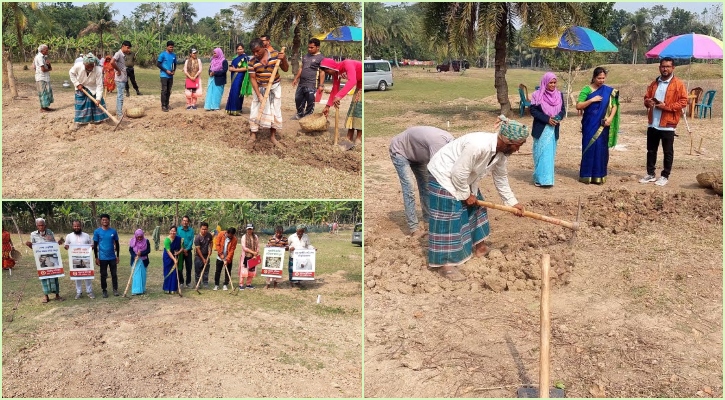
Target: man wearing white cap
pixel 457 223
pixel 43 235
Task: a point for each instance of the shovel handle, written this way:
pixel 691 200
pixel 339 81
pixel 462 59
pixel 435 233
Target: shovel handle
pixel 545 329
pixel 115 121
pixel 337 128
pixel 133 269
pixel 571 225
pixel 269 88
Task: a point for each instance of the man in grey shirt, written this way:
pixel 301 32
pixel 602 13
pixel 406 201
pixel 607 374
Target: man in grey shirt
pixel 118 62
pixel 410 152
pixel 307 79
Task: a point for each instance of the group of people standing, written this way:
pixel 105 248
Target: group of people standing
pixel 664 99
pixel 448 170
pixel 179 248
pixel 249 76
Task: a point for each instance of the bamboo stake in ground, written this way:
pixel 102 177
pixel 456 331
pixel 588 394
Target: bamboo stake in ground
pixel 130 278
pixel 545 328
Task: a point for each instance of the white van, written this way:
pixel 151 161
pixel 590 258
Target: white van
pixel 377 74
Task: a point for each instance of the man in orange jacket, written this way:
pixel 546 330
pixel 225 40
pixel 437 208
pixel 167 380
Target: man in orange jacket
pixel 665 99
pixel 225 247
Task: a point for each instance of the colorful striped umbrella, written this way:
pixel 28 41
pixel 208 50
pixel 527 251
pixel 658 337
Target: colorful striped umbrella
pixel 691 45
pixel 342 34
pixel 576 38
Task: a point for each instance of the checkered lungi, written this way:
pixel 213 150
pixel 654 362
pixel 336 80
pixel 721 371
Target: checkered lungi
pixel 454 227
pixel 45 93
pixel 86 110
pixel 355 112
pixel 50 285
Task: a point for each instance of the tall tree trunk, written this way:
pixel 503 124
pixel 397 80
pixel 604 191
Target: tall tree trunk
pixel 94 218
pixel 502 88
pixel 8 76
pixel 488 49
pixel 296 42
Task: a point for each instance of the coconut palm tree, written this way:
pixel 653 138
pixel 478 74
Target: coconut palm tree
pixel 461 25
pixel 279 19
pixel 377 21
pixel 100 21
pixel 636 33
pixel 183 18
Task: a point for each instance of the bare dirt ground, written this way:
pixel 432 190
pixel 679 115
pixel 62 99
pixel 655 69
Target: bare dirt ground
pixel 179 154
pixel 259 343
pixel 636 301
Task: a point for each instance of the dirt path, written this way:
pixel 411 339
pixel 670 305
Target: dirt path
pixel 636 300
pixel 180 154
pixel 261 343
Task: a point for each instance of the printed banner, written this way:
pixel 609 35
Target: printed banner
pixel 48 260
pixel 272 265
pixel 303 268
pixel 80 260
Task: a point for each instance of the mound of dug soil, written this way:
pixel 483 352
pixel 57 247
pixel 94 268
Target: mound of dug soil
pixel 399 265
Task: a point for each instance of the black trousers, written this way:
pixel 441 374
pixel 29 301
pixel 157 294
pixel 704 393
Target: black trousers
pixel 654 137
pixel 166 84
pixel 186 266
pixel 198 266
pixel 217 273
pixel 305 101
pixel 105 264
pixel 131 78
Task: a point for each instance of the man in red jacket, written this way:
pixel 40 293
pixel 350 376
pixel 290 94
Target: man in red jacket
pixel 665 99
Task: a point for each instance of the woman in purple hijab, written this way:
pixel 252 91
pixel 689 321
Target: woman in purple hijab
pixel 548 109
pixel 139 246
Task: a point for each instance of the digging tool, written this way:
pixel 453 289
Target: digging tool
pixel 178 283
pixel 571 225
pixel 543 391
pixel 133 269
pixel 269 89
pixel 231 281
pixel 114 119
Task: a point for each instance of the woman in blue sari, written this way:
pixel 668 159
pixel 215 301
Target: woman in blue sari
pixel 217 80
pixel 172 248
pixel 547 108
pixel 139 246
pixel 240 82
pixel 600 124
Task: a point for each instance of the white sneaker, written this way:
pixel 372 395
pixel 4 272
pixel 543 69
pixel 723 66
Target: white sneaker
pixel 648 179
pixel 225 287
pixel 216 287
pixel 662 181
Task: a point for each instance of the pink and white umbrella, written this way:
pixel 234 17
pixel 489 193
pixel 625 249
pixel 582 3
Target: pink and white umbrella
pixel 691 45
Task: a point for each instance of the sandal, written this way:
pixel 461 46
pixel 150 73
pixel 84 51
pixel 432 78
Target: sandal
pixel 58 298
pixel 45 300
pixel 452 273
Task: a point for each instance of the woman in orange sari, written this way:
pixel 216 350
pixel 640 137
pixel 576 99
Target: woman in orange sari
pixel 8 261
pixel 109 75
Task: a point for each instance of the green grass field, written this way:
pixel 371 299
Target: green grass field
pixel 443 94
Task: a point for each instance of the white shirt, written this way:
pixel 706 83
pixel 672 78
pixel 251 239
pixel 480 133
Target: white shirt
pixel 92 80
pixel 226 245
pixel 460 164
pixel 660 95
pixel 83 238
pixel 38 62
pixel 298 243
